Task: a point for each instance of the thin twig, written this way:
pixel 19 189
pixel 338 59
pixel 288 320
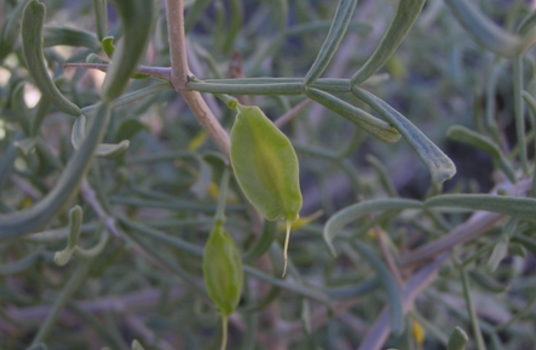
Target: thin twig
pixel 91 198
pixel 294 111
pixel 389 259
pixel 378 333
pixel 26 187
pixel 477 224
pixel 321 317
pixel 133 302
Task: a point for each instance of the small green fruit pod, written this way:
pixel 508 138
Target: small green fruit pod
pixel 222 269
pixel 266 167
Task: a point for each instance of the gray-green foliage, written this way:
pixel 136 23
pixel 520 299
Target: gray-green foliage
pixel 126 170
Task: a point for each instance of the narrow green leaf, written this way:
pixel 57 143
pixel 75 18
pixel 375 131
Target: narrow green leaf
pixel 353 291
pixel 374 126
pixel 487 282
pixel 280 12
pixel 519 111
pixel 516 207
pixel 290 88
pixel 74 283
pixel 32 45
pixel 320 26
pixel 20 110
pixel 407 13
pixel 58 35
pixel 298 288
pixel 136 20
pixel 462 134
pixel 339 25
pixel 30 220
pixel 440 166
pixel 133 96
pixel 383 174
pixel 395 299
pixel 194 13
pixel 234 24
pixel 128 128
pixel 112 150
pixel 500 250
pixel 473 317
pixel 41 111
pixel 481 142
pixel 253 81
pixel 11 30
pixel 76 216
pixel 90 253
pixel 22 264
pixel 527 23
pixel 517 249
pixel 101 17
pixel 484 31
pixel 457 339
pixel 267 299
pixel 263 243
pixel 531 101
pixel 105 150
pixel 156 235
pixel 6 164
pixel 529 244
pixel 352 213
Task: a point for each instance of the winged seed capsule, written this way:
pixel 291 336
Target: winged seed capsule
pixel 266 167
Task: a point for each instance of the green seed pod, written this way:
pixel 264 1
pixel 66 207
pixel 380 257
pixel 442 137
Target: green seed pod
pixel 222 268
pixel 266 167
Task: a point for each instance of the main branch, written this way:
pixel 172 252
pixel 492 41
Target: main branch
pixel 180 73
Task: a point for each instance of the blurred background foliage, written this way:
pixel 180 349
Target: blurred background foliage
pixel 157 199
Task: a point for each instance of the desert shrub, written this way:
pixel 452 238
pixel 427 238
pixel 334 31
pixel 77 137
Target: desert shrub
pixel 315 175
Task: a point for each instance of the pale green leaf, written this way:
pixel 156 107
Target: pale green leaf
pixel 354 212
pixel 32 45
pixel 516 207
pixel 484 30
pixel 406 14
pixel 374 126
pixel 339 25
pixel 440 166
